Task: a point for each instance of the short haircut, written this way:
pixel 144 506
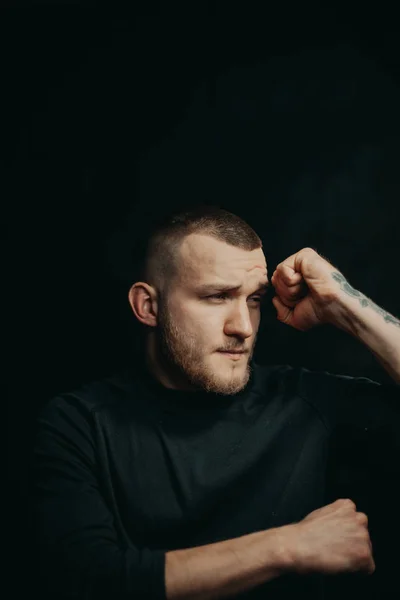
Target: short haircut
pixel 161 257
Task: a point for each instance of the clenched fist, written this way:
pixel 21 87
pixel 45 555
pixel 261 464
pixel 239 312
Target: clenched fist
pixel 331 540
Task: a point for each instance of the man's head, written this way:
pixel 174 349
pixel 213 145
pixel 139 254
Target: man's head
pixel 204 275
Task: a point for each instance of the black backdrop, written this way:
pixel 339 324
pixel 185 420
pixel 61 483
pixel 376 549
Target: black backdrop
pixel 287 116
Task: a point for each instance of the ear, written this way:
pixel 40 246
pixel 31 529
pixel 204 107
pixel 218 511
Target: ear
pixel 143 300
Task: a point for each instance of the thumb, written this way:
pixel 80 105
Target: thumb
pixel 284 313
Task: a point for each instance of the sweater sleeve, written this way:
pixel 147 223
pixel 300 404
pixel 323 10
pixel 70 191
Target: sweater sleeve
pixel 360 408
pixel 357 401
pixel 80 555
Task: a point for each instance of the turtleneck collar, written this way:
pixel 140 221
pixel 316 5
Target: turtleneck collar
pixel 185 400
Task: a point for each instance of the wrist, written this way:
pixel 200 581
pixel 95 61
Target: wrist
pixel 344 312
pixel 285 545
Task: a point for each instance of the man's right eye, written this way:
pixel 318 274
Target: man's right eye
pixel 219 296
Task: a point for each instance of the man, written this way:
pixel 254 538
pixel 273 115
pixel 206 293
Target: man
pixel 198 473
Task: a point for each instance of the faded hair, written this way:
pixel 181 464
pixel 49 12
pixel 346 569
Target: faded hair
pixel 161 259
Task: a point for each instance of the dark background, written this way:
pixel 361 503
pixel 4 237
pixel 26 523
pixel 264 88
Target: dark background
pixel 287 116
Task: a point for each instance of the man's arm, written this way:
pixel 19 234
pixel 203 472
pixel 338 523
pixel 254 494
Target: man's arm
pixel 332 539
pixel 372 325
pixel 226 568
pixel 311 291
pixel 80 553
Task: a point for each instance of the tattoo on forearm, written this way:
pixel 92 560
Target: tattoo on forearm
pixel 364 301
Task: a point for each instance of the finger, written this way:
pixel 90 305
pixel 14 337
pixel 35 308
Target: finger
pixel 287 302
pixel 288 275
pixel 290 293
pixel 372 567
pixel 295 292
pixel 294 279
pixel 284 312
pixel 289 282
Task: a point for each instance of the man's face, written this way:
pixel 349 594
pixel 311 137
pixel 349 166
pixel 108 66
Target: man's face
pixel 198 321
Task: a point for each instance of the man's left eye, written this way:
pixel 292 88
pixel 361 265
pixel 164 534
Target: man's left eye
pixel 223 296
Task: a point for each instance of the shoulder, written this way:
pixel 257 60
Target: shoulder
pixel 335 396
pixel 89 398
pixel 308 382
pixel 348 399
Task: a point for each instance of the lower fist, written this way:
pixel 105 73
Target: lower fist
pixel 331 540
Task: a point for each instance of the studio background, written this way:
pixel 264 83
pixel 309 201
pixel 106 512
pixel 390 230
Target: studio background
pixel 287 117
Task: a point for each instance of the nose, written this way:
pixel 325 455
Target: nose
pixel 238 322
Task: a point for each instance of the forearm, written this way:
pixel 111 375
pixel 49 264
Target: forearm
pixel 373 326
pixel 223 569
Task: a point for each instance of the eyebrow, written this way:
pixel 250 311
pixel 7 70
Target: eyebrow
pixel 216 287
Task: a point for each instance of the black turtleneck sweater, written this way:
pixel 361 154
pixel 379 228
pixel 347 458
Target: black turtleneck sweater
pixel 126 470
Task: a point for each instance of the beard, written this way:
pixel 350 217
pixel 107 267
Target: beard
pixel 180 355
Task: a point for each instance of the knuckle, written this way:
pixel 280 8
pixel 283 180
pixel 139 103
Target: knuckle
pixel 362 518
pixel 366 552
pixel 346 502
pixel 373 567
pixel 366 539
pixel 365 555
